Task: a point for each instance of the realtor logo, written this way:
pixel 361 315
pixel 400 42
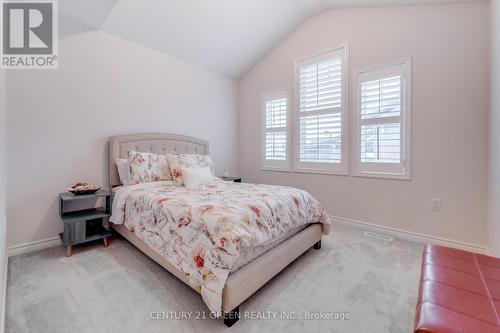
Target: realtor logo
pixel 29 34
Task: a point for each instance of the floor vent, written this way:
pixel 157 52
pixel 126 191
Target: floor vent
pixel 378 236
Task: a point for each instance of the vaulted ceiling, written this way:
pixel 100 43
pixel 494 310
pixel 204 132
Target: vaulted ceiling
pixel 226 36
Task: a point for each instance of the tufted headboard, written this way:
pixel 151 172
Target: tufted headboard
pixel 119 146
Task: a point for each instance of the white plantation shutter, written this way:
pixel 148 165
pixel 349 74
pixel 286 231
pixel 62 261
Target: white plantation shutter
pixel 276 146
pixel 381 102
pixel 321 85
pixel 321 105
pixel 382 120
pixel 320 138
pixel 381 143
pixel 275 142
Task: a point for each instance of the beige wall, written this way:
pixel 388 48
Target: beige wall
pixel 494 193
pixel 3 186
pixel 59 121
pixel 449 46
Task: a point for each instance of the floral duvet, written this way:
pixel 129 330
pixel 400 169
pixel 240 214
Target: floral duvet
pixel 203 231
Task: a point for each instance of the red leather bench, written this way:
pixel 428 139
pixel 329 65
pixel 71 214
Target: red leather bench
pixel 459 292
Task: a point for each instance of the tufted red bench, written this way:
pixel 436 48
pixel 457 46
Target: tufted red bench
pixel 459 292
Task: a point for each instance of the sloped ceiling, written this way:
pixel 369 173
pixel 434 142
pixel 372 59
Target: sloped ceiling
pixel 91 13
pixel 226 36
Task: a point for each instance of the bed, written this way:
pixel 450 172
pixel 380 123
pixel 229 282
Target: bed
pixel 239 257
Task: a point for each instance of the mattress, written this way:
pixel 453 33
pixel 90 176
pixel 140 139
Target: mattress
pixel 211 231
pixel 245 256
pixel 254 252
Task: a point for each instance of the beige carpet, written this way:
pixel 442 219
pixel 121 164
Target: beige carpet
pixel 117 289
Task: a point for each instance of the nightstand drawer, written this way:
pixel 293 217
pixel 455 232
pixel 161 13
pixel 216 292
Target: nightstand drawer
pixel 74 232
pixel 78 232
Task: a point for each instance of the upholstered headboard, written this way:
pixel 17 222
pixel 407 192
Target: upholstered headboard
pixel 119 146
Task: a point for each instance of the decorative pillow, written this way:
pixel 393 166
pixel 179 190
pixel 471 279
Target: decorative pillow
pixel 147 167
pixel 181 161
pixel 194 177
pixel 205 161
pixel 123 170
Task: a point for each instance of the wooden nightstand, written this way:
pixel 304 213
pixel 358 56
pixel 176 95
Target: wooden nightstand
pixel 231 179
pixel 84 225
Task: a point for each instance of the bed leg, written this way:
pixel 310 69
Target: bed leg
pixel 231 317
pixel 317 246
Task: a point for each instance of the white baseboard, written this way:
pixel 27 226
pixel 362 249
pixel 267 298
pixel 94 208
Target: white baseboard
pixel 3 301
pixel 33 246
pixel 413 236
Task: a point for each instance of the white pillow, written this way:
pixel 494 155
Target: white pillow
pixel 194 177
pixel 123 170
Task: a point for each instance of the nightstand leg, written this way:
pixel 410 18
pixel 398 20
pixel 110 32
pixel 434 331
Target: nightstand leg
pixel 68 251
pixel 106 241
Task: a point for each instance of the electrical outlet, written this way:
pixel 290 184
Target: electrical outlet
pixel 436 205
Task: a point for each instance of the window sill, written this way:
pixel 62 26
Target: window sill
pixel 288 170
pixel 323 172
pixel 382 175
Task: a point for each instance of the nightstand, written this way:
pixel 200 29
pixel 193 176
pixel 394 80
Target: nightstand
pixel 231 179
pixel 84 225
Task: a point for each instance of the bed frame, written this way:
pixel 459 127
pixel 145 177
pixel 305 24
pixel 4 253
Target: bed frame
pixel 242 283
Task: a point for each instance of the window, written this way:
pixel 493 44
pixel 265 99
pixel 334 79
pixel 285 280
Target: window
pixel 275 154
pixel 321 116
pixel 383 105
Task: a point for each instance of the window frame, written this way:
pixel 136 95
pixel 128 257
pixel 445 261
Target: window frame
pixel 341 168
pixel 270 165
pixel 384 170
